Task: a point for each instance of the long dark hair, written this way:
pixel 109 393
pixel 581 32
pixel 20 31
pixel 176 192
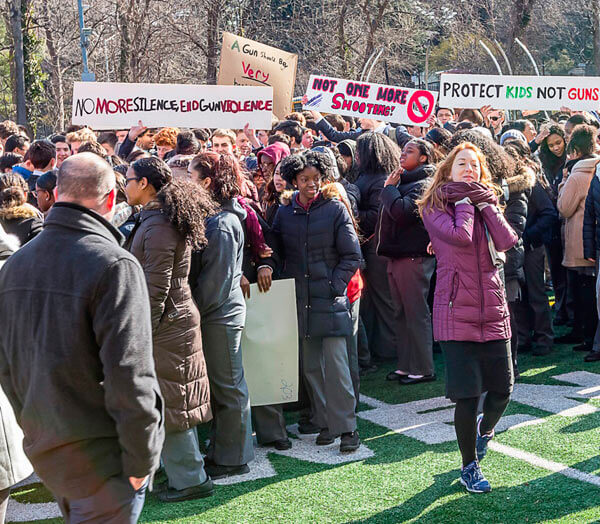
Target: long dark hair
pixel 377 154
pixel 185 205
pixel 223 171
pixel 548 159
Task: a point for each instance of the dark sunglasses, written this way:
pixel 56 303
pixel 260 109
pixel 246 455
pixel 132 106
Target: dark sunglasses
pixel 494 118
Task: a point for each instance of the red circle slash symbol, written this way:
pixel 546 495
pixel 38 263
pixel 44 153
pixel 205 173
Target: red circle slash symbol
pixel 420 106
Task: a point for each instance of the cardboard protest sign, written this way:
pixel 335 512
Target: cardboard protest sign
pixel 113 105
pixel 245 62
pixel 364 99
pixel 520 92
pixel 270 344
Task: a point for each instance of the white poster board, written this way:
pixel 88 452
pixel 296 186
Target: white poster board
pixel 270 344
pixel 401 105
pixel 114 105
pixel 520 92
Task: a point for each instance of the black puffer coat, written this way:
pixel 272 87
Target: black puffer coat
pixel 591 220
pixel 400 230
pixel 519 186
pixel 370 187
pixel 319 249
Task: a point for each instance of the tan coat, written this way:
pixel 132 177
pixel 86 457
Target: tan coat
pixel 572 193
pixel 178 356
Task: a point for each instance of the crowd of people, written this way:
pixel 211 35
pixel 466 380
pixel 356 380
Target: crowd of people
pixel 128 254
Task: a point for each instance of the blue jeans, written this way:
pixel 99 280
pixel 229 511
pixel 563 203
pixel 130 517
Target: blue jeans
pixel 116 502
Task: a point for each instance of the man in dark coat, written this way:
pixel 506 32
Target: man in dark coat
pixel 76 353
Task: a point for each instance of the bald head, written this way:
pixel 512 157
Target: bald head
pixel 87 180
pixel 85 176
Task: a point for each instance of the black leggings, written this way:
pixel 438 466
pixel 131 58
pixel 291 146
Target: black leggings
pixel 465 421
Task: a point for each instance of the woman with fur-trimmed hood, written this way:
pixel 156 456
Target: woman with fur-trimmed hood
pixel 17 217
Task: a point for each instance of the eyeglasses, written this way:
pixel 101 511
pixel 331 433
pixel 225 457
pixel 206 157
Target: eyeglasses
pixel 35 193
pixel 127 180
pixel 494 118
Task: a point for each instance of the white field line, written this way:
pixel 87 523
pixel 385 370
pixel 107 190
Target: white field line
pixel 554 467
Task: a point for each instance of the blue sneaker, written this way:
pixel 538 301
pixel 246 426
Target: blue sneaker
pixel 482 440
pixel 472 478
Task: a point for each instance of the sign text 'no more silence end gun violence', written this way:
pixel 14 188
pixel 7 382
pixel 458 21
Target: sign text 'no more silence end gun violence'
pixel 112 105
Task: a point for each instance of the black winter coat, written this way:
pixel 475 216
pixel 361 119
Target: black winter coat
pixel 23 221
pixel 82 383
pixel 519 186
pixel 591 220
pixel 319 249
pixel 400 230
pixel 370 187
pixel 542 218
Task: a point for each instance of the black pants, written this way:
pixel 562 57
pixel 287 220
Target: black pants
pixel 562 306
pixel 376 306
pixel 465 421
pixel 586 313
pixel 532 313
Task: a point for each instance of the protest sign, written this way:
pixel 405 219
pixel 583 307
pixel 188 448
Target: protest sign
pixel 245 62
pixel 270 344
pixel 363 99
pixel 520 92
pixel 113 105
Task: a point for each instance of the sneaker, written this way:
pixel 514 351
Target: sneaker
pixel 217 471
pixel 325 438
pixel 482 440
pixel 472 478
pixel 201 491
pixel 350 442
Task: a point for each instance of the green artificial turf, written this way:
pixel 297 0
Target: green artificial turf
pixel 410 481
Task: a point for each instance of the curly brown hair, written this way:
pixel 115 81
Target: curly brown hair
pixel 13 190
pixel 187 206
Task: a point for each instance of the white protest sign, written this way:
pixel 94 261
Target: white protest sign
pixel 520 92
pixel 401 105
pixel 113 105
pixel 270 344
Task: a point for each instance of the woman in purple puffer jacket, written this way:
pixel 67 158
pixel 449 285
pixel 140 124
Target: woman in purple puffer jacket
pixel 470 315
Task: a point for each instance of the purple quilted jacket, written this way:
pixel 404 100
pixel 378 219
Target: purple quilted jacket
pixel 469 302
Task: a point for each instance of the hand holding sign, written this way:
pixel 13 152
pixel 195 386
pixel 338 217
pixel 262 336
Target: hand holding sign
pixel 136 131
pixel 251 135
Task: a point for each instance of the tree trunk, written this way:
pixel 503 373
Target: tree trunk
pixel 212 41
pixel 16 20
pixel 342 47
pixel 519 20
pixel 596 24
pixel 55 69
